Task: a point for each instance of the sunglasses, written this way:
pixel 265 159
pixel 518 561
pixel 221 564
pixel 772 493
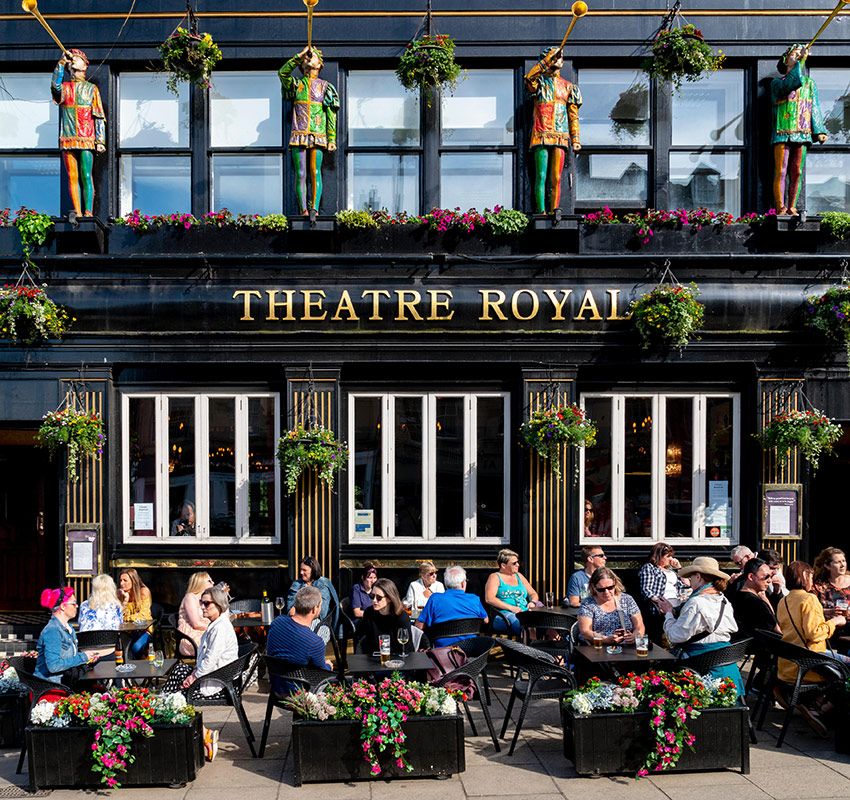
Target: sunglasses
pixel 375 597
pixel 599 555
pixel 601 589
pixel 71 603
pixel 431 573
pixel 206 603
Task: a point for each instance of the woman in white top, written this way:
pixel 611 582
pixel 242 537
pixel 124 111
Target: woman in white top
pixel 102 611
pixel 190 618
pixel 421 589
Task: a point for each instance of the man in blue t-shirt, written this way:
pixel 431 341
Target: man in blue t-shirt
pixel 291 637
pixel 594 557
pixel 452 604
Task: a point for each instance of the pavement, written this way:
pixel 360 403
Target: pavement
pixel 806 767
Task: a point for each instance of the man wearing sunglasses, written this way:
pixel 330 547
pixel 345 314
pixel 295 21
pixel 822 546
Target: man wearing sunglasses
pixel 594 557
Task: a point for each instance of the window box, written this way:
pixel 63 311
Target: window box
pixel 603 239
pixel 419 239
pixel 617 743
pixel 10 243
pixel 62 757
pixel 435 749
pixel 123 240
pixel 14 715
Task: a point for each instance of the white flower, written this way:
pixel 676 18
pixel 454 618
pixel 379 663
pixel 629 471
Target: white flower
pixel 42 713
pixel 582 704
pixel 449 705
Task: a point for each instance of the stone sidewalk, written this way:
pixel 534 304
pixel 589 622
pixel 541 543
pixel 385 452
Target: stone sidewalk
pixel 806 767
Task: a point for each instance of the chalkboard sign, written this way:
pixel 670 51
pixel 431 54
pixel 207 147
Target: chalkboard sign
pixel 82 550
pixel 782 510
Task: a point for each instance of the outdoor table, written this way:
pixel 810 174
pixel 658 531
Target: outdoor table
pixel 561 611
pixel 145 671
pixel 627 661
pixel 362 664
pixel 247 622
pixel 126 631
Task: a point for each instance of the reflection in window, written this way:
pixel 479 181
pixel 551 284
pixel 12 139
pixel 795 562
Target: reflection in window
pixel 222 467
pixel 616 107
pixel 378 180
pixel 710 111
pixel 149 114
pixel 262 491
pixel 181 465
pixel 248 184
pixel 31 181
pixel 368 466
pixel 827 181
pixel 380 112
pixel 480 111
pixel 141 462
pixel 834 93
pixel 490 466
pixel 408 466
pixel 155 184
pixel 29 119
pixel 637 467
pixel 245 110
pixel 476 180
pixel 611 178
pixel 679 467
pixel 450 472
pixel 706 180
pixel 596 515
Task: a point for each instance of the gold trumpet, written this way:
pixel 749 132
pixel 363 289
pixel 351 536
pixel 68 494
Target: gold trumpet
pixel 835 12
pixel 579 9
pixel 311 4
pixel 31 7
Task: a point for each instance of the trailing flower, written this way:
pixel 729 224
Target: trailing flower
pixel 315 449
pixel 547 430
pixel 189 57
pixel 812 432
pixel 681 54
pixel 505 221
pixel 34 228
pixel 830 314
pixel 428 62
pixel 80 431
pixel 669 315
pixel 27 314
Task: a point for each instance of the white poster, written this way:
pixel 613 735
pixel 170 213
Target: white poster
pixel 780 520
pixel 364 523
pixel 82 557
pixel 143 516
pixel 717 510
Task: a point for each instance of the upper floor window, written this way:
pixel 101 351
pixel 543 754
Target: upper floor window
pixel 665 466
pixel 828 165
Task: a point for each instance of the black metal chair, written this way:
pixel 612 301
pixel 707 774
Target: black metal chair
pixel 157 613
pixel 454 627
pixel 500 613
pixel 346 630
pixel 540 620
pixel 229 681
pixel 325 631
pixel 87 639
pixel 310 678
pixel 473 673
pixel 544 679
pixel 179 637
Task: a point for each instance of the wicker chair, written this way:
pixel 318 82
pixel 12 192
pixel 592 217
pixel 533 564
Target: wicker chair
pixel 534 620
pixel 87 639
pixel 500 613
pixel 179 636
pixel 454 627
pixel 253 606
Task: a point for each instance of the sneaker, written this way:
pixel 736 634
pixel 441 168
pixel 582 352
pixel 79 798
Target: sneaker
pixel 813 719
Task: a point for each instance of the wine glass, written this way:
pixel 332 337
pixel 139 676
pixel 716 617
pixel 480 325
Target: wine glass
pixel 279 603
pixel 403 636
pixel 158 659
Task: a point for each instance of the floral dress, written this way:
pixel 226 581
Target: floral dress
pixel 606 622
pixel 829 594
pixel 106 618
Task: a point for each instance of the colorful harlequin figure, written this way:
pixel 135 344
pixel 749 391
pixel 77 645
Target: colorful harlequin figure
pixel 555 128
pixel 315 104
pixel 797 123
pixel 82 126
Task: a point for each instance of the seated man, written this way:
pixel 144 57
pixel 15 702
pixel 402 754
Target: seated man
pixel 452 604
pixel 750 604
pixel 577 589
pixel 291 638
pixel 740 555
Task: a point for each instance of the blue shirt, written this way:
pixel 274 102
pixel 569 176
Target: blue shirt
pixel 57 651
pixel 330 600
pixel 294 643
pixel 577 586
pixel 360 597
pixel 451 604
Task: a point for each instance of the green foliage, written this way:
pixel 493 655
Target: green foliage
pixel 836 224
pixel 668 315
pixel 830 314
pixel 506 221
pixel 547 430
pixel 80 431
pixel 189 57
pixel 428 62
pixel 812 432
pixel 681 54
pixel 34 228
pixel 265 223
pixel 27 314
pixel 353 219
pixel 316 449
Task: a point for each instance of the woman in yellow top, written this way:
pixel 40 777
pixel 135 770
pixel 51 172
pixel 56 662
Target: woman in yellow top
pixel 136 602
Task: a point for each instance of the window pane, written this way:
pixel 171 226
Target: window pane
pixel 481 109
pixel 149 115
pixel 142 462
pixel 834 93
pixel 380 111
pixel 450 467
pixel 706 180
pixel 710 111
pixel 248 184
pixel 379 181
pixel 408 466
pixel 222 456
pixel 181 465
pixel 476 180
pixel 609 179
pixel 30 181
pixel 827 181
pixel 679 467
pixel 261 455
pixel 245 110
pixel 615 108
pixel 637 467
pixel 490 460
pixel 28 116
pixel 368 462
pixel 155 185
pixel 596 518
pixel 719 456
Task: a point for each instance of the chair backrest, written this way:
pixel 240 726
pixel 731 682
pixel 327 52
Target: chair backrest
pixel 37 686
pixel 721 657
pixel 246 606
pixel 97 639
pixel 454 627
pixel 805 659
pixel 171 620
pixel 575 635
pixel 533 661
pixel 310 677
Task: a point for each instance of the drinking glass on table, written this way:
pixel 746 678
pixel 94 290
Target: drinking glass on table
pixel 403 636
pixel 598 640
pixel 550 599
pixel 384 647
pixel 841 606
pixel 642 646
pixel 279 603
pixel 158 659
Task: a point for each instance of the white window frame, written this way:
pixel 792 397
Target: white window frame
pixel 429 494
pixel 699 494
pixel 202 501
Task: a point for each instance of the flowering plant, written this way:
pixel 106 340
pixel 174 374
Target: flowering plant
pixel 143 223
pixel 671 699
pixel 830 314
pixel 499 221
pixel 117 716
pixel 190 57
pixel 380 709
pixel 428 62
pixel 668 315
pixel 313 448
pixel 681 54
pixel 547 430
pixel 9 681
pixel 80 431
pixel 28 314
pixel 811 431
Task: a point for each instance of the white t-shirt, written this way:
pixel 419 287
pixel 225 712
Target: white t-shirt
pixel 670 591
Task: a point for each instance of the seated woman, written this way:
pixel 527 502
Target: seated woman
pixel 191 621
pixel 361 590
pixel 422 588
pixel 59 660
pixel 658 579
pixel 705 621
pixel 136 601
pixel 310 574
pixel 832 582
pixel 609 611
pixel 102 611
pixel 385 616
pixel 508 590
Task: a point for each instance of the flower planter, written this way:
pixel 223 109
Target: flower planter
pixel 123 240
pixel 10 244
pixel 420 239
pixel 622 238
pixel 330 750
pixel 14 715
pixel 61 757
pixel 610 743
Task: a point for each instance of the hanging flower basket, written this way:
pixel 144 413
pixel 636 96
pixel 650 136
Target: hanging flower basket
pixel 428 62
pixel 80 431
pixel 811 432
pixel 669 315
pixel 830 314
pixel 547 430
pixel 189 57
pixel 681 54
pixel 28 315
pixel 311 448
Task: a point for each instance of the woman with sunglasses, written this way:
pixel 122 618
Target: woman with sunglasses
pixel 422 588
pixel 609 611
pixel 385 616
pixel 508 592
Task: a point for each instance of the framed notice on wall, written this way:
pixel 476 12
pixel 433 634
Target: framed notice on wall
pixel 82 550
pixel 782 510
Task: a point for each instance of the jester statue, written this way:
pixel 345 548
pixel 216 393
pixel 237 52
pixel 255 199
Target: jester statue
pixel 555 128
pixel 82 126
pixel 315 103
pixel 797 123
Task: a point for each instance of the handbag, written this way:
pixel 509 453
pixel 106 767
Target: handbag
pixel 447 659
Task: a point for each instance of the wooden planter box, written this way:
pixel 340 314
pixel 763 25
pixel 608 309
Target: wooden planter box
pixel 419 239
pixel 622 238
pixel 331 750
pixel 123 240
pixel 617 743
pixel 14 715
pixel 61 757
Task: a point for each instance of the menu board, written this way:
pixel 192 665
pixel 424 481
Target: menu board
pixel 782 510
